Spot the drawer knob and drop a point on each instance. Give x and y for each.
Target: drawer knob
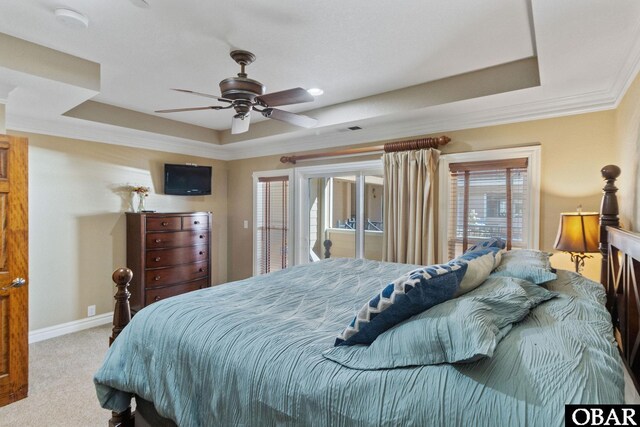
(202, 236)
(156, 278)
(196, 222)
(158, 240)
(165, 223)
(156, 259)
(157, 298)
(200, 270)
(201, 253)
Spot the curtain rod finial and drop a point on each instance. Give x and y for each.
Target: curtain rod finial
(288, 159)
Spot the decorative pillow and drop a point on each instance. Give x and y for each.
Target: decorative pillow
(463, 329)
(409, 294)
(527, 264)
(480, 263)
(493, 242)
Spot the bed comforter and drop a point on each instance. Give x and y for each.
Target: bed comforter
(250, 353)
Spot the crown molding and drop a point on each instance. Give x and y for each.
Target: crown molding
(424, 122)
(421, 122)
(109, 134)
(628, 71)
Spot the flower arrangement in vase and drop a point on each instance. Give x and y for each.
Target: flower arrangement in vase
(142, 193)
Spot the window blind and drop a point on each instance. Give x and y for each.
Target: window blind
(488, 199)
(272, 223)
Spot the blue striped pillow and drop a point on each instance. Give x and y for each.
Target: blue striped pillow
(410, 294)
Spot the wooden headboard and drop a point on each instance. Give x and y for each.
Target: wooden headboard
(620, 273)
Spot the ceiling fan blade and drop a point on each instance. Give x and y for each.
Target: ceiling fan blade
(291, 118)
(286, 97)
(240, 123)
(206, 95)
(177, 110)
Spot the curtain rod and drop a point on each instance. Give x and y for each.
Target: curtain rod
(413, 144)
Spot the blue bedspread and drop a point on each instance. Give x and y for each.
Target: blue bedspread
(250, 353)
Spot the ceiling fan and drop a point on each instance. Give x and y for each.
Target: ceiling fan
(244, 95)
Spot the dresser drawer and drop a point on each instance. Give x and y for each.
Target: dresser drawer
(181, 273)
(196, 222)
(154, 295)
(167, 223)
(179, 238)
(166, 257)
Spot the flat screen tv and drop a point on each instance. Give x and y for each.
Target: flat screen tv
(187, 180)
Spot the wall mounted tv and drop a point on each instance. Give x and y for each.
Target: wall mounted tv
(187, 180)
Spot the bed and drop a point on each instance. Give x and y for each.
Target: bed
(261, 351)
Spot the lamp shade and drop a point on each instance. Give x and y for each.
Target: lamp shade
(578, 232)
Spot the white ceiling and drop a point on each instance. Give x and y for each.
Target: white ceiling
(588, 50)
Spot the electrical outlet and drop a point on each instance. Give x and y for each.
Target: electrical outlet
(91, 310)
(246, 224)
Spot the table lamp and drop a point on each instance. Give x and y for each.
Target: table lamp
(578, 235)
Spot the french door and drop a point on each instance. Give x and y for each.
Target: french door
(338, 211)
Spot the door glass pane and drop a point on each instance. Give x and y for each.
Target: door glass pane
(316, 218)
(373, 215)
(332, 217)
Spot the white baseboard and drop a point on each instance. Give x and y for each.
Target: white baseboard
(67, 328)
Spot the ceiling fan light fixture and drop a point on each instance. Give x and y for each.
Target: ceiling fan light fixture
(315, 91)
(71, 18)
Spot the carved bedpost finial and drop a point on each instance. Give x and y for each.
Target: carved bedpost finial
(608, 218)
(609, 207)
(327, 248)
(610, 172)
(122, 276)
(122, 311)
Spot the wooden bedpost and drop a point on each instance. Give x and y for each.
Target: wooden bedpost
(608, 218)
(121, 318)
(122, 311)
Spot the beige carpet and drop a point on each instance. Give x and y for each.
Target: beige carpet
(61, 391)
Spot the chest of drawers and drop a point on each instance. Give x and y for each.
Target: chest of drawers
(169, 254)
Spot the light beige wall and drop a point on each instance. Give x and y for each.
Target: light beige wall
(628, 136)
(574, 148)
(2, 119)
(240, 207)
(77, 200)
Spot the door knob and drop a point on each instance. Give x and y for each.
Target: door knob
(16, 283)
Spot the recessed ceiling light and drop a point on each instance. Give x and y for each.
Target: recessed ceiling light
(315, 91)
(140, 3)
(71, 18)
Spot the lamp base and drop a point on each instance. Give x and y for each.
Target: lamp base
(578, 259)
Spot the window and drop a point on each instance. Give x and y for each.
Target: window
(486, 194)
(271, 222)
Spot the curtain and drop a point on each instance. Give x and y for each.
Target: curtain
(409, 230)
